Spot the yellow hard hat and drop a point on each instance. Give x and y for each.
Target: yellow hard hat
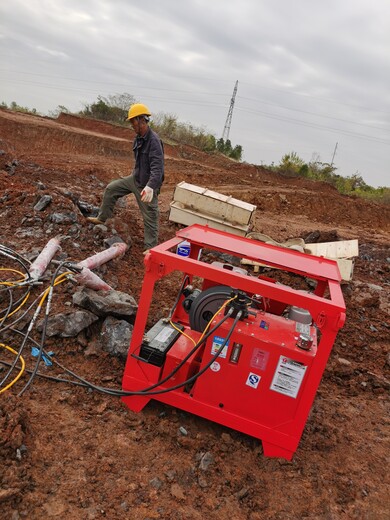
(138, 109)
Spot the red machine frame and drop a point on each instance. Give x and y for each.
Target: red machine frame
(325, 304)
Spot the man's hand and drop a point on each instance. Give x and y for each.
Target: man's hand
(147, 194)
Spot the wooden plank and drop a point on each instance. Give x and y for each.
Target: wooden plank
(346, 266)
(340, 249)
(187, 217)
(208, 202)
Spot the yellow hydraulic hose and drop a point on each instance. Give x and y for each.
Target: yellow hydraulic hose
(61, 278)
(181, 332)
(14, 283)
(13, 271)
(21, 370)
(218, 311)
(207, 326)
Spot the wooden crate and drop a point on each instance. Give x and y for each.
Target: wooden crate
(220, 211)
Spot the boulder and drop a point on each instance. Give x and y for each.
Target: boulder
(107, 303)
(115, 336)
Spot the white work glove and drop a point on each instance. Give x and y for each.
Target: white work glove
(147, 194)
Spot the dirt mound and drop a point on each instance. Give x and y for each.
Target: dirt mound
(67, 452)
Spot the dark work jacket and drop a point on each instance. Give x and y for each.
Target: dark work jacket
(149, 160)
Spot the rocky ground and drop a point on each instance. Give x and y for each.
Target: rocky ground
(69, 452)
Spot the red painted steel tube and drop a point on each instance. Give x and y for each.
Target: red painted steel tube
(39, 266)
(104, 256)
(91, 280)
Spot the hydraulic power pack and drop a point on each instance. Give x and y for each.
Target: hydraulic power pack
(246, 351)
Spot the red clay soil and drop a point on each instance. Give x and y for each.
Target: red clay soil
(70, 453)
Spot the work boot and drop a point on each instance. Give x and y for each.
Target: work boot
(95, 220)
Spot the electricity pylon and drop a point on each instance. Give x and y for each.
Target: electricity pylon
(226, 130)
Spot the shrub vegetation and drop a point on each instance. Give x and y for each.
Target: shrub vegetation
(292, 165)
(114, 109)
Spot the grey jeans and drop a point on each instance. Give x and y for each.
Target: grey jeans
(150, 211)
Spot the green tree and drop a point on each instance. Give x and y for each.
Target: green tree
(221, 145)
(318, 171)
(228, 147)
(122, 101)
(18, 108)
(57, 111)
(168, 127)
(165, 124)
(291, 163)
(113, 109)
(236, 153)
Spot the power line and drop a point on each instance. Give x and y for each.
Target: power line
(315, 125)
(213, 104)
(301, 94)
(143, 87)
(313, 113)
(116, 85)
(201, 78)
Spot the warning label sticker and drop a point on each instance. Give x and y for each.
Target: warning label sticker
(215, 367)
(217, 344)
(288, 377)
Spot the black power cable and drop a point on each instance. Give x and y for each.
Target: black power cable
(8, 310)
(50, 378)
(16, 257)
(144, 391)
(43, 336)
(80, 380)
(198, 374)
(147, 391)
(186, 277)
(13, 255)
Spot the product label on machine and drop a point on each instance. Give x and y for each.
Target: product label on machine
(253, 380)
(217, 344)
(288, 377)
(164, 335)
(259, 359)
(303, 328)
(215, 366)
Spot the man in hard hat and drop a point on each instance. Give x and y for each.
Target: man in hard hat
(145, 181)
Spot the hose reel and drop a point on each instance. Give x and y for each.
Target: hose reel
(205, 304)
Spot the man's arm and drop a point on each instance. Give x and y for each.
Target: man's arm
(156, 161)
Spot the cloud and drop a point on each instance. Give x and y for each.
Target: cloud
(310, 73)
(51, 52)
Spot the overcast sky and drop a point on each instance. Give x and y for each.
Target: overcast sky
(312, 74)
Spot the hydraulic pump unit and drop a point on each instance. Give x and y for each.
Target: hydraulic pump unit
(246, 351)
